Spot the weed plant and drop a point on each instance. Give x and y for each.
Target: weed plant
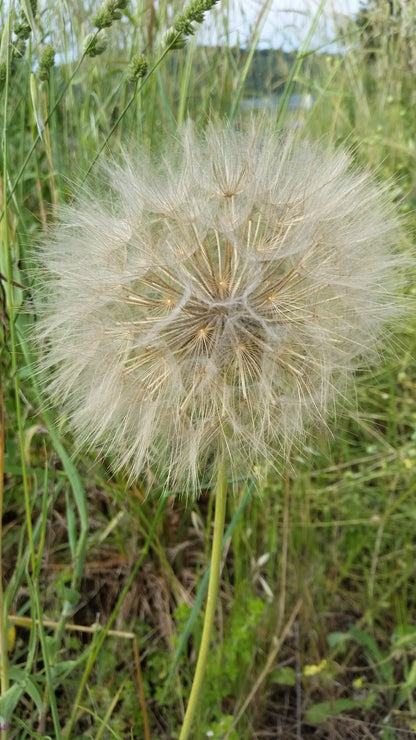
(102, 586)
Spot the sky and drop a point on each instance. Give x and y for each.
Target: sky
(285, 23)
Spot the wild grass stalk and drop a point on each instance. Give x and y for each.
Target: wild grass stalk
(4, 624)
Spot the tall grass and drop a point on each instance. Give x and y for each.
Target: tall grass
(102, 587)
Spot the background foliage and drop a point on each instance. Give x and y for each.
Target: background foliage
(102, 587)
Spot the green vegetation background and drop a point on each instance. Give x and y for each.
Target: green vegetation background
(316, 627)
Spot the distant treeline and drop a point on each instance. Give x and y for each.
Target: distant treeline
(269, 68)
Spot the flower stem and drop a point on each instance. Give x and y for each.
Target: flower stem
(220, 507)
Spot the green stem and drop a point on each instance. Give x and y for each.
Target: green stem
(136, 90)
(4, 660)
(220, 507)
(4, 665)
(10, 192)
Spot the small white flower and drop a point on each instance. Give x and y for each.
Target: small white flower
(218, 302)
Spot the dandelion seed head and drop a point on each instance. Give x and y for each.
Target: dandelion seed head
(218, 302)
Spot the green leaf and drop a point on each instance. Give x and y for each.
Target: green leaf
(9, 701)
(285, 676)
(335, 639)
(410, 683)
(383, 667)
(72, 525)
(27, 9)
(367, 641)
(403, 635)
(64, 668)
(31, 688)
(318, 713)
(224, 725)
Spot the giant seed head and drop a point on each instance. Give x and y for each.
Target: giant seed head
(218, 303)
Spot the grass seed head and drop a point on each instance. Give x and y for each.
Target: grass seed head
(218, 303)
